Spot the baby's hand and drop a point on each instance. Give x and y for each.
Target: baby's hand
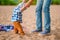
(26, 5)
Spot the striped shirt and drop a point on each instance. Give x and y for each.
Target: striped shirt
(17, 15)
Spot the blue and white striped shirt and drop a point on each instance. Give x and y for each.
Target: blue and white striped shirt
(17, 15)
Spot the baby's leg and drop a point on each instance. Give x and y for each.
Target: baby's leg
(15, 29)
(18, 26)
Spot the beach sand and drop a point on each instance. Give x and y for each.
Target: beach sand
(29, 24)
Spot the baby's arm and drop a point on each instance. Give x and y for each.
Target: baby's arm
(24, 1)
(26, 5)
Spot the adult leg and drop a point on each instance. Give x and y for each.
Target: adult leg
(39, 16)
(46, 9)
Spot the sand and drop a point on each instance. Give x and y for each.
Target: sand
(29, 24)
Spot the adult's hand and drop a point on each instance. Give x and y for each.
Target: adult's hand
(26, 5)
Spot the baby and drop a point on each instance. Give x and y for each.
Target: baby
(17, 16)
